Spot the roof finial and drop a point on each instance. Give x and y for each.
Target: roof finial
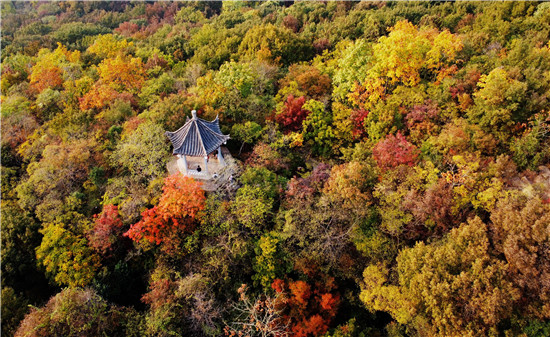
(194, 114)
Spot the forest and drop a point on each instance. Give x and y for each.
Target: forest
(394, 169)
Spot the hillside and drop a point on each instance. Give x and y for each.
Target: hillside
(394, 169)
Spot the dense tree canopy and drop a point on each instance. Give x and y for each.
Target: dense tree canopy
(393, 169)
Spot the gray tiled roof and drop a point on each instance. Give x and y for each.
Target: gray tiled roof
(197, 137)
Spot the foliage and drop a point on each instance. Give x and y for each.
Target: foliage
(61, 169)
(498, 102)
(179, 206)
(252, 206)
(143, 152)
(65, 253)
(269, 261)
(260, 317)
(119, 77)
(454, 288)
(395, 151)
(19, 234)
(247, 132)
(48, 71)
(171, 296)
(305, 80)
(80, 312)
(317, 129)
(309, 309)
(292, 115)
(521, 226)
(108, 46)
(274, 44)
(13, 311)
(349, 185)
(108, 226)
(427, 51)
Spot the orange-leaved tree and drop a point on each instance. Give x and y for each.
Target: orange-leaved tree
(119, 78)
(309, 309)
(179, 206)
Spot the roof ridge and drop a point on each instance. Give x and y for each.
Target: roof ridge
(200, 137)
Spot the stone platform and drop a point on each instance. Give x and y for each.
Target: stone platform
(218, 177)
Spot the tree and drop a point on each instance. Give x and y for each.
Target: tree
(20, 237)
(178, 209)
(273, 44)
(48, 77)
(521, 227)
(452, 288)
(420, 121)
(64, 250)
(14, 309)
(292, 115)
(66, 256)
(498, 104)
(460, 137)
(317, 128)
(106, 229)
(359, 128)
(252, 206)
(15, 69)
(122, 73)
(304, 188)
(349, 186)
(529, 150)
(180, 304)
(156, 88)
(51, 66)
(394, 151)
(304, 80)
(80, 312)
(119, 77)
(73, 34)
(169, 111)
(309, 308)
(240, 76)
(269, 262)
(143, 152)
(320, 230)
(108, 46)
(352, 68)
(18, 123)
(247, 132)
(269, 182)
(429, 53)
(60, 172)
(260, 317)
(414, 203)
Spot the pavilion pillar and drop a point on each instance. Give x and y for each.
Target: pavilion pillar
(182, 164)
(220, 157)
(185, 164)
(206, 165)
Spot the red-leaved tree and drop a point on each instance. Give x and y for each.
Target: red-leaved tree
(293, 115)
(181, 202)
(358, 118)
(393, 151)
(108, 225)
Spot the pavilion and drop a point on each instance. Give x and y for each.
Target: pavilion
(195, 139)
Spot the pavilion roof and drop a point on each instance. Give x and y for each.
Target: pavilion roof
(197, 137)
